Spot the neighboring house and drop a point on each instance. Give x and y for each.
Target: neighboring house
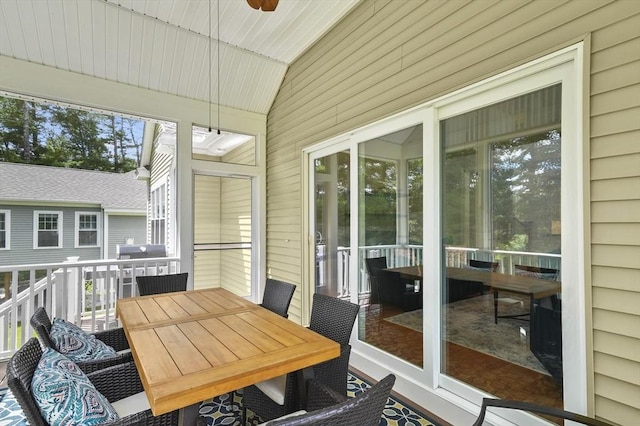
(158, 169)
(50, 213)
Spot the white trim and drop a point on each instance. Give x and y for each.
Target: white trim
(7, 229)
(36, 220)
(76, 229)
(564, 66)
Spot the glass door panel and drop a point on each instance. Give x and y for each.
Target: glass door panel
(390, 179)
(222, 233)
(331, 224)
(501, 297)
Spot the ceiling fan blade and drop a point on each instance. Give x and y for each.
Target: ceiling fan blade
(265, 5)
(269, 5)
(255, 3)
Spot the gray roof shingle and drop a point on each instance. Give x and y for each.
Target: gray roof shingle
(27, 182)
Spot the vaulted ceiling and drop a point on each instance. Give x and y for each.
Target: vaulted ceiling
(171, 46)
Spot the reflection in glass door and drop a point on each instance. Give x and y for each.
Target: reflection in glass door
(390, 232)
(222, 233)
(331, 224)
(501, 304)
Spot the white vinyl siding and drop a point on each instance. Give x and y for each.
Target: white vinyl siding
(388, 56)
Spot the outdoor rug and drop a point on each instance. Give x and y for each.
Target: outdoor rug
(219, 412)
(470, 323)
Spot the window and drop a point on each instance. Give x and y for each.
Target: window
(47, 229)
(159, 214)
(5, 229)
(87, 229)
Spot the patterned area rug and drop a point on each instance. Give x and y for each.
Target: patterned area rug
(219, 412)
(470, 323)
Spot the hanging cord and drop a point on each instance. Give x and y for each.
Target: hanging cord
(218, 59)
(209, 66)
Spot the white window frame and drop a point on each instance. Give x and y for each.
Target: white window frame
(7, 230)
(77, 229)
(36, 220)
(155, 187)
(564, 66)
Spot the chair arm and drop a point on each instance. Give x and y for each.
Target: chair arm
(117, 382)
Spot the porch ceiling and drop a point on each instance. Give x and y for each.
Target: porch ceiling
(171, 46)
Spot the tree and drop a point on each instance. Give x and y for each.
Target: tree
(60, 136)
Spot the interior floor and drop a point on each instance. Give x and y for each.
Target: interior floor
(495, 376)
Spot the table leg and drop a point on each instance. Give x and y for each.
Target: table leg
(188, 416)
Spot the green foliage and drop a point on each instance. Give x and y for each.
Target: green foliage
(66, 137)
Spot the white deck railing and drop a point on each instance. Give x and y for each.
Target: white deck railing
(412, 255)
(82, 292)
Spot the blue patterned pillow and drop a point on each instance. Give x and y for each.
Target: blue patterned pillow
(73, 342)
(65, 395)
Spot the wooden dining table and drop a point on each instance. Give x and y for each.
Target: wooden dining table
(534, 288)
(191, 346)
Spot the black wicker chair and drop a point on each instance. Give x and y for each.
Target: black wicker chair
(326, 407)
(537, 409)
(277, 296)
(332, 318)
(389, 287)
(115, 338)
(115, 383)
(157, 284)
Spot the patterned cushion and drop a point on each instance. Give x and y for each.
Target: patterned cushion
(65, 395)
(73, 342)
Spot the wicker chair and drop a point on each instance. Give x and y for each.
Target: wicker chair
(157, 284)
(115, 383)
(326, 407)
(115, 338)
(390, 287)
(538, 409)
(332, 318)
(277, 296)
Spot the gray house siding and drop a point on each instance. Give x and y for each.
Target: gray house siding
(22, 223)
(124, 228)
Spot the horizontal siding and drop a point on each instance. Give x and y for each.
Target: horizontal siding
(609, 343)
(22, 251)
(615, 177)
(123, 228)
(387, 56)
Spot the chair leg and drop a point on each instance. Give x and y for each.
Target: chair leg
(495, 306)
(244, 415)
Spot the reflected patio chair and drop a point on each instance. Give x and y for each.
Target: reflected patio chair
(330, 317)
(373, 265)
(379, 295)
(41, 322)
(536, 409)
(393, 289)
(277, 296)
(328, 408)
(158, 284)
(119, 384)
(484, 265)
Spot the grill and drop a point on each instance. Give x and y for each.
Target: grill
(140, 251)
